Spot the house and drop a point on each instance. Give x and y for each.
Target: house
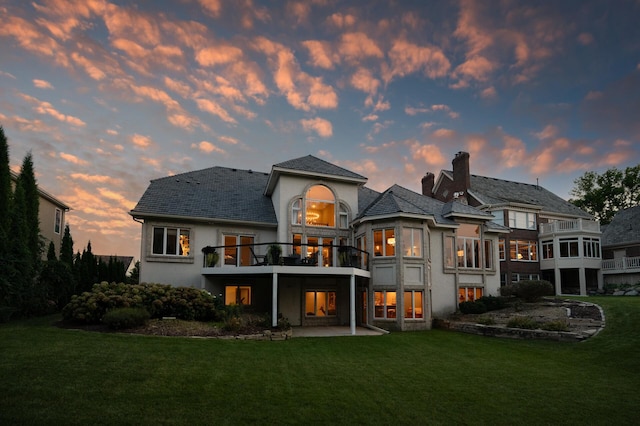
(550, 238)
(621, 248)
(51, 213)
(311, 242)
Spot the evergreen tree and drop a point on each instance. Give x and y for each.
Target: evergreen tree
(134, 275)
(6, 268)
(66, 248)
(27, 181)
(51, 253)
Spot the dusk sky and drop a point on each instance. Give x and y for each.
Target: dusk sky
(109, 95)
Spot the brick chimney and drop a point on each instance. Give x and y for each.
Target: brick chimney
(461, 174)
(427, 184)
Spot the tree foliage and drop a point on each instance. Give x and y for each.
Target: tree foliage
(603, 195)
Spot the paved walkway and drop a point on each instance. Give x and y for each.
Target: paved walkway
(330, 331)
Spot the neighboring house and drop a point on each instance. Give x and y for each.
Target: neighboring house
(349, 255)
(51, 212)
(621, 248)
(550, 238)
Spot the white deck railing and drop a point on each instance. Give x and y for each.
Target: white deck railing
(569, 226)
(628, 264)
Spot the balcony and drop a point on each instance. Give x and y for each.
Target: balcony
(273, 254)
(569, 226)
(621, 266)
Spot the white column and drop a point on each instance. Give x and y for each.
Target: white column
(583, 282)
(274, 300)
(558, 276)
(352, 303)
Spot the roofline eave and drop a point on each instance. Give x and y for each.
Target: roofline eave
(210, 220)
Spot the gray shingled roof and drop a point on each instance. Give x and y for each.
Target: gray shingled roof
(366, 196)
(497, 191)
(623, 229)
(313, 164)
(214, 193)
(397, 199)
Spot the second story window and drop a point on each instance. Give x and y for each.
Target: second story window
(384, 242)
(412, 242)
(170, 241)
(320, 206)
(522, 220)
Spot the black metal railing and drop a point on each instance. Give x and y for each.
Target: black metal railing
(287, 254)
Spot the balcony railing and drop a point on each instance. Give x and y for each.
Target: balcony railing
(624, 264)
(285, 254)
(561, 226)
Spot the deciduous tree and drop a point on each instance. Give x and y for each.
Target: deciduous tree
(603, 195)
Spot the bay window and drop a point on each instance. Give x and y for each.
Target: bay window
(569, 247)
(385, 304)
(413, 304)
(412, 242)
(591, 247)
(547, 249)
(384, 242)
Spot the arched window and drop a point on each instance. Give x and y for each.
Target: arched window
(320, 206)
(343, 216)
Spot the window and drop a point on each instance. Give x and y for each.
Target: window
(468, 246)
(385, 304)
(515, 277)
(57, 224)
(547, 249)
(413, 305)
(523, 250)
(343, 216)
(449, 252)
(522, 220)
(170, 241)
(488, 254)
(237, 295)
(569, 247)
(501, 250)
(412, 242)
(296, 212)
(238, 250)
(498, 217)
(320, 303)
(591, 247)
(469, 294)
(384, 242)
(319, 206)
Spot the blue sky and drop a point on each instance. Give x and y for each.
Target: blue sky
(109, 95)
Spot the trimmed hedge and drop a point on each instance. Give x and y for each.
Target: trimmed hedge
(529, 291)
(122, 318)
(472, 307)
(158, 299)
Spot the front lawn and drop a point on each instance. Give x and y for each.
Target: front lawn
(57, 376)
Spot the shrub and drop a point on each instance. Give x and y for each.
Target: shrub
(529, 291)
(486, 320)
(523, 322)
(559, 325)
(122, 318)
(493, 303)
(470, 307)
(158, 299)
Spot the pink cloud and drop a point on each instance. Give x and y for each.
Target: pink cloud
(141, 141)
(207, 147)
(319, 125)
(428, 154)
(211, 7)
(550, 131)
(214, 108)
(42, 84)
(444, 133)
(320, 54)
(101, 179)
(364, 80)
(513, 152)
(128, 22)
(408, 58)
(355, 47)
(212, 56)
(73, 159)
(340, 20)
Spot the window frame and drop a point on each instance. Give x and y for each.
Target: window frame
(591, 248)
(57, 221)
(239, 288)
(179, 232)
(516, 218)
(547, 249)
(386, 234)
(329, 295)
(464, 297)
(412, 305)
(409, 237)
(386, 307)
(530, 249)
(568, 244)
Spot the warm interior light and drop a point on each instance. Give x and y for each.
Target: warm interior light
(313, 215)
(460, 253)
(391, 241)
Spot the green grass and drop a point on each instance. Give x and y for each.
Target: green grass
(56, 376)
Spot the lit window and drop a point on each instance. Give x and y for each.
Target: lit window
(501, 250)
(320, 303)
(469, 294)
(238, 250)
(523, 250)
(385, 304)
(170, 241)
(237, 295)
(320, 206)
(384, 242)
(468, 246)
(413, 305)
(412, 242)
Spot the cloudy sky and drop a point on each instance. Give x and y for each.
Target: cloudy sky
(109, 95)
